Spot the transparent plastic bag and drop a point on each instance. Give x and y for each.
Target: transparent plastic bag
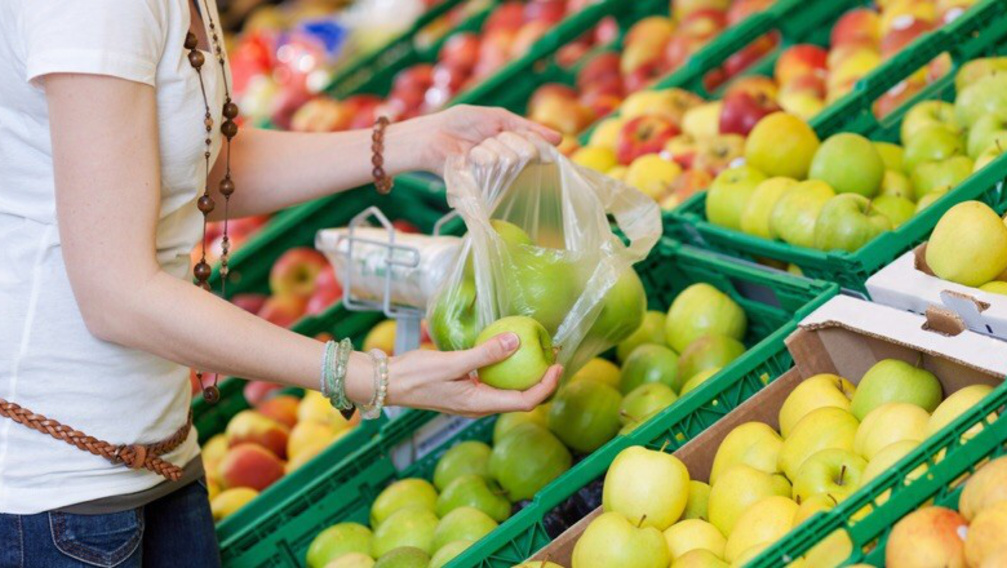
(555, 258)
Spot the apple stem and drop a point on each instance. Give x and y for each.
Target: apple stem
(625, 414)
(664, 446)
(642, 519)
(919, 360)
(834, 500)
(842, 474)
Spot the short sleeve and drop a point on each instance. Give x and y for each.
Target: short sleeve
(121, 38)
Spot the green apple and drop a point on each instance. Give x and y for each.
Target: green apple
(897, 209)
(730, 193)
(989, 130)
(977, 69)
(794, 216)
(537, 564)
(891, 154)
(463, 523)
(352, 560)
(412, 492)
(815, 504)
(988, 155)
(412, 526)
(601, 370)
(463, 459)
(956, 405)
(448, 552)
(849, 163)
(847, 223)
(928, 113)
(612, 540)
(693, 534)
(896, 184)
(509, 420)
(820, 429)
(755, 444)
(818, 391)
(698, 379)
(931, 144)
(736, 489)
(890, 423)
(649, 364)
(995, 287)
(781, 144)
(337, 541)
(645, 401)
(833, 471)
(766, 521)
(511, 233)
(648, 487)
(929, 199)
(986, 96)
(701, 310)
(622, 309)
(886, 458)
(585, 415)
(539, 284)
(527, 459)
(697, 506)
(526, 366)
(795, 270)
(968, 245)
(476, 492)
(454, 318)
(755, 217)
(943, 175)
(708, 352)
(892, 380)
(404, 557)
(651, 331)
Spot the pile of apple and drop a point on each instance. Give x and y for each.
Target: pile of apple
(972, 537)
(835, 438)
(263, 444)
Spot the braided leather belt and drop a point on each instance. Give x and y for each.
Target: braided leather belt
(134, 456)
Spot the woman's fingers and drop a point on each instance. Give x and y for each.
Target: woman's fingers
(488, 400)
(518, 123)
(493, 351)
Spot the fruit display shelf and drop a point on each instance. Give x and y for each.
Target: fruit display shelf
(949, 458)
(346, 490)
(982, 31)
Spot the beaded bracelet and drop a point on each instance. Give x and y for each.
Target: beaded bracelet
(325, 387)
(372, 409)
(341, 367)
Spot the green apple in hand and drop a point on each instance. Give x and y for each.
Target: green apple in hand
(898, 210)
(820, 429)
(943, 175)
(892, 380)
(584, 415)
(990, 130)
(847, 223)
(708, 352)
(730, 193)
(968, 245)
(986, 96)
(404, 557)
(651, 331)
(412, 492)
(336, 541)
(476, 492)
(526, 366)
(700, 310)
(463, 523)
(795, 214)
(611, 540)
(527, 459)
(928, 113)
(931, 144)
(453, 318)
(650, 364)
(622, 309)
(755, 217)
(896, 184)
(833, 471)
(891, 154)
(849, 163)
(508, 421)
(448, 552)
(644, 401)
(649, 487)
(755, 444)
(463, 459)
(412, 526)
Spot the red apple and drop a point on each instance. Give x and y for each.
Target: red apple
(678, 50)
(742, 9)
(257, 391)
(742, 110)
(283, 311)
(460, 51)
(703, 24)
(321, 114)
(251, 303)
(551, 91)
(751, 53)
(646, 134)
(362, 110)
(606, 31)
(653, 30)
(812, 84)
(328, 291)
(527, 36)
(549, 12)
(756, 85)
(494, 52)
(404, 226)
(903, 32)
(507, 16)
(718, 153)
(682, 150)
(246, 225)
(567, 116)
(601, 102)
(571, 53)
(295, 271)
(800, 60)
(897, 96)
(644, 76)
(402, 101)
(600, 67)
(691, 182)
(862, 25)
(419, 76)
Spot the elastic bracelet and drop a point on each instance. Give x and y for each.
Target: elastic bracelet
(372, 409)
(382, 183)
(342, 363)
(324, 384)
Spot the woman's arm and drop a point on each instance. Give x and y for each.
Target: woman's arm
(274, 170)
(105, 156)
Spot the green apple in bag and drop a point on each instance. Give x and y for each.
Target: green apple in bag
(622, 309)
(454, 322)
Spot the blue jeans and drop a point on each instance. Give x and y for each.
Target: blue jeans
(175, 530)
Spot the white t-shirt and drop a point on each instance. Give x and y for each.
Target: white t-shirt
(49, 362)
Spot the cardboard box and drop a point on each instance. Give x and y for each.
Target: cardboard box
(909, 284)
(845, 337)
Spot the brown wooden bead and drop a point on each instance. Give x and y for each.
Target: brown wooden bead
(226, 187)
(201, 271)
(230, 110)
(229, 128)
(190, 41)
(196, 58)
(211, 394)
(205, 204)
(208, 122)
(377, 160)
(378, 173)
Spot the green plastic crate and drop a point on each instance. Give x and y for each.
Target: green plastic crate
(980, 32)
(942, 482)
(345, 492)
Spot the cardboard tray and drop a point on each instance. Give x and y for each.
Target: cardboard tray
(909, 284)
(845, 337)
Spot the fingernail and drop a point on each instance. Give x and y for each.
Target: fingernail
(510, 341)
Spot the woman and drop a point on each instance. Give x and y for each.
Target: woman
(105, 146)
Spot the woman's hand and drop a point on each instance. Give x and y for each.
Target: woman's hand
(446, 382)
(430, 140)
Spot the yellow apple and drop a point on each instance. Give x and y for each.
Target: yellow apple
(606, 134)
(752, 443)
(748, 555)
(597, 158)
(812, 505)
(612, 540)
(956, 405)
(831, 552)
(668, 103)
(699, 499)
(764, 521)
(755, 217)
(618, 172)
(986, 534)
(737, 489)
(653, 175)
(820, 429)
(691, 534)
(888, 457)
(703, 121)
(819, 391)
(601, 370)
(985, 488)
(889, 423)
(648, 487)
(931, 536)
(781, 144)
(699, 558)
(968, 245)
